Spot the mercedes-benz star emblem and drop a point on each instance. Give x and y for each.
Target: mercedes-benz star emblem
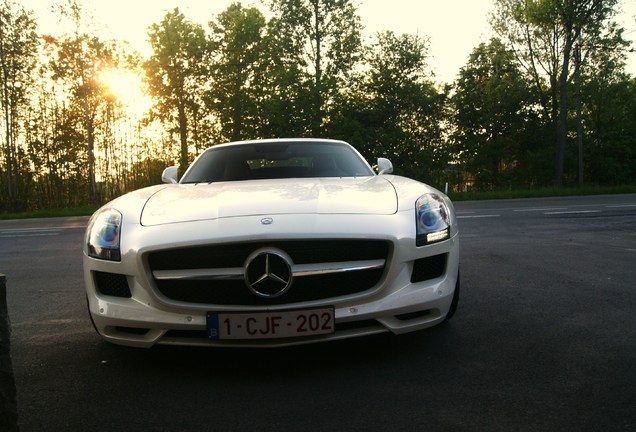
(268, 273)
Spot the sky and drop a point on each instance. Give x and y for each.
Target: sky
(453, 27)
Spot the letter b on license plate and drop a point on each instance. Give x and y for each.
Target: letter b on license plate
(270, 325)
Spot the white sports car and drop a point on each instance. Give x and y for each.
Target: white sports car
(272, 243)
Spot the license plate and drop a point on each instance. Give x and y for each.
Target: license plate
(270, 325)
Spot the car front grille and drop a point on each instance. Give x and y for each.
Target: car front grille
(363, 264)
(112, 284)
(429, 268)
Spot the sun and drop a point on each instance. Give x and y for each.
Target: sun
(127, 87)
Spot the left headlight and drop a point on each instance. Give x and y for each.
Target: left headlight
(432, 219)
(103, 235)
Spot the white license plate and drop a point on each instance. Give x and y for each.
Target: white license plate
(270, 325)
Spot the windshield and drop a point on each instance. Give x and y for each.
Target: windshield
(275, 160)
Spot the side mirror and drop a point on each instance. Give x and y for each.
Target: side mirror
(384, 166)
(169, 175)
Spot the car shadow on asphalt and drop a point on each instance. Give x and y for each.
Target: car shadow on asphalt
(249, 363)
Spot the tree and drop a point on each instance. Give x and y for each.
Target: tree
(322, 37)
(609, 107)
(286, 105)
(607, 98)
(237, 93)
(18, 54)
(394, 110)
(175, 74)
(78, 59)
(542, 34)
(491, 111)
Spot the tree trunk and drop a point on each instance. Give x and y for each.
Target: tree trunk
(579, 121)
(317, 115)
(90, 137)
(563, 110)
(7, 124)
(183, 138)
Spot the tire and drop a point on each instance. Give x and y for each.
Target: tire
(454, 302)
(91, 316)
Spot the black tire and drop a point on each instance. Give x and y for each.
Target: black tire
(91, 316)
(454, 302)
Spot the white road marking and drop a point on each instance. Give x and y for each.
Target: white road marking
(31, 232)
(540, 209)
(572, 212)
(29, 235)
(477, 216)
(57, 228)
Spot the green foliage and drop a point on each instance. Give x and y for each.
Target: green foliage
(238, 73)
(493, 118)
(76, 62)
(18, 51)
(322, 38)
(610, 140)
(394, 110)
(176, 75)
(544, 35)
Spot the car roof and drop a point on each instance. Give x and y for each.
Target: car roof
(280, 140)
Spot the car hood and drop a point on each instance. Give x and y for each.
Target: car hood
(191, 202)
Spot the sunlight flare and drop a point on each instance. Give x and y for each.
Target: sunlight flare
(127, 87)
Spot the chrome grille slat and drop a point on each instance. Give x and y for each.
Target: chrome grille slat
(239, 273)
(201, 274)
(336, 267)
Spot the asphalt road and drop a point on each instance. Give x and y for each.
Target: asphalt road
(544, 340)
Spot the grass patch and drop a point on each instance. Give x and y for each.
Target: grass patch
(542, 192)
(50, 213)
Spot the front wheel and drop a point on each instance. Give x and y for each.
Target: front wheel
(454, 302)
(91, 316)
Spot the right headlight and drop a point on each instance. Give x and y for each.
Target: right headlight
(432, 219)
(103, 235)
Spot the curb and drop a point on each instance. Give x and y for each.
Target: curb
(8, 401)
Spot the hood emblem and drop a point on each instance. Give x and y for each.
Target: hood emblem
(267, 221)
(268, 273)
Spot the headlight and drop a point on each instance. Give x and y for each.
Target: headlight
(103, 235)
(432, 219)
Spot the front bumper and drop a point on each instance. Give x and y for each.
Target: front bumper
(397, 304)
